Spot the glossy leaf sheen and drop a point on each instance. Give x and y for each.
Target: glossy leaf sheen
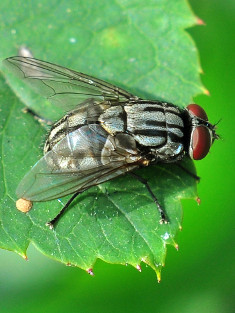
(143, 50)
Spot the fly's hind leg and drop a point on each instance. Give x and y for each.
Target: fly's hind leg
(37, 117)
(164, 219)
(55, 220)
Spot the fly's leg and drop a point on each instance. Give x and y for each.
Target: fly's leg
(40, 119)
(197, 178)
(164, 219)
(55, 220)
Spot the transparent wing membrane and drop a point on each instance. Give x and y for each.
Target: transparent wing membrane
(84, 158)
(78, 155)
(63, 87)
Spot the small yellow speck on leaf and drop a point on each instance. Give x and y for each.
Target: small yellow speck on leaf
(24, 205)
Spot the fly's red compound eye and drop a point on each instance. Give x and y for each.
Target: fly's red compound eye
(200, 143)
(198, 111)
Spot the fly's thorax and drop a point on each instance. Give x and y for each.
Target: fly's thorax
(153, 124)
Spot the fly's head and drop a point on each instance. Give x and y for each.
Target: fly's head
(202, 132)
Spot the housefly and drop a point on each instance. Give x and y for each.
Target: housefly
(105, 132)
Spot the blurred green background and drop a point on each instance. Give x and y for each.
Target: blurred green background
(198, 278)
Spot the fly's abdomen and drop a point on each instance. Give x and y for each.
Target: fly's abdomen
(86, 113)
(113, 120)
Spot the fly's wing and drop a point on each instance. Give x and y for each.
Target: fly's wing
(63, 87)
(84, 158)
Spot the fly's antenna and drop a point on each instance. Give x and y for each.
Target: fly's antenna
(216, 136)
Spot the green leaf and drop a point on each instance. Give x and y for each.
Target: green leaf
(141, 47)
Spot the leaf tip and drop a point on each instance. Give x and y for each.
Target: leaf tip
(200, 21)
(201, 70)
(24, 256)
(206, 92)
(158, 273)
(198, 200)
(90, 272)
(176, 246)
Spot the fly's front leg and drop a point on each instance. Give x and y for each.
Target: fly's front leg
(164, 219)
(197, 178)
(37, 117)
